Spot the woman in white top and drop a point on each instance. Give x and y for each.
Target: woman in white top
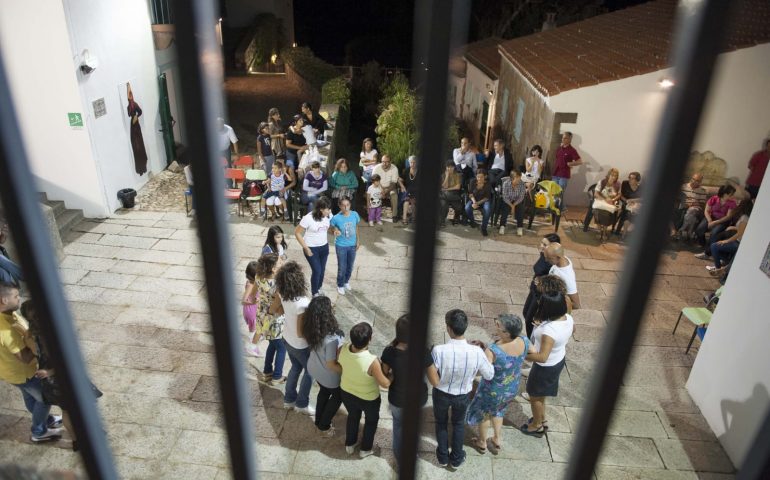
(311, 233)
(369, 159)
(291, 302)
(534, 164)
(553, 329)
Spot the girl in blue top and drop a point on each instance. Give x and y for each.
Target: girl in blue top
(345, 228)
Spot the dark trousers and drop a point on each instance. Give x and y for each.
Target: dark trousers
(451, 199)
(530, 305)
(317, 266)
(355, 407)
(518, 212)
(495, 175)
(442, 403)
(326, 406)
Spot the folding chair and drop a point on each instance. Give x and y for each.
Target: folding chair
(258, 175)
(700, 317)
(244, 161)
(234, 194)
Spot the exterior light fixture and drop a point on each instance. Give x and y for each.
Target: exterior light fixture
(665, 83)
(294, 45)
(273, 58)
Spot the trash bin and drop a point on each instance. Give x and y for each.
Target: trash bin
(126, 197)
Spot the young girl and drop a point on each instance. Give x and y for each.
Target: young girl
(374, 201)
(269, 326)
(277, 186)
(249, 302)
(264, 147)
(275, 242)
(369, 158)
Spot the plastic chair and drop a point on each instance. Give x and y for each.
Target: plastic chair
(605, 221)
(244, 161)
(700, 317)
(258, 175)
(556, 196)
(589, 213)
(234, 194)
(187, 206)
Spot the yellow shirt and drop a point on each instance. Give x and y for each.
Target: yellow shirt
(12, 370)
(355, 377)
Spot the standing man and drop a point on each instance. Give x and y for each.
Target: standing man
(757, 167)
(465, 160)
(562, 268)
(226, 139)
(499, 161)
(389, 183)
(566, 158)
(18, 365)
(455, 364)
(345, 228)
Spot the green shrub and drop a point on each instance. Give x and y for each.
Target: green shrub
(268, 37)
(336, 91)
(308, 66)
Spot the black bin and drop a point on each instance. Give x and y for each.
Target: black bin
(127, 197)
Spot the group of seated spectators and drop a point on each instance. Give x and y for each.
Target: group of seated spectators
(619, 201)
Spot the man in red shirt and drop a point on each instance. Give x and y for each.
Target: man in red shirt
(757, 167)
(566, 158)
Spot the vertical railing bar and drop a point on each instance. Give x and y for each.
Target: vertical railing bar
(200, 64)
(701, 25)
(38, 260)
(437, 21)
(756, 464)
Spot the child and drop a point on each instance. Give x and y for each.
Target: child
(249, 302)
(270, 326)
(374, 201)
(264, 147)
(276, 185)
(275, 243)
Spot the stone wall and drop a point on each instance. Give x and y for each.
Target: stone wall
(312, 94)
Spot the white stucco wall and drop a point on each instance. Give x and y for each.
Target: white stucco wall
(38, 62)
(477, 92)
(118, 33)
(617, 121)
(730, 380)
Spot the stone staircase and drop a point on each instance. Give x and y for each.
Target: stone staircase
(65, 218)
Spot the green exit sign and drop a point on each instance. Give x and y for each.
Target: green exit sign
(75, 119)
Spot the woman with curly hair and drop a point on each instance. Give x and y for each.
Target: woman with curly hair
(324, 338)
(291, 301)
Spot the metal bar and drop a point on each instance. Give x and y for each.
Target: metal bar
(756, 465)
(32, 240)
(431, 45)
(200, 65)
(701, 25)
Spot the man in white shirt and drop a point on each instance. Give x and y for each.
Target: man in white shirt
(499, 162)
(562, 268)
(226, 137)
(465, 160)
(389, 183)
(455, 364)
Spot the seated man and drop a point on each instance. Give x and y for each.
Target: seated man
(465, 160)
(499, 162)
(388, 183)
(451, 183)
(690, 211)
(479, 198)
(514, 192)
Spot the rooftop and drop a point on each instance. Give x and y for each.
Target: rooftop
(484, 55)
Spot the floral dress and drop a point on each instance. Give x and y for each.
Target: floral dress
(493, 396)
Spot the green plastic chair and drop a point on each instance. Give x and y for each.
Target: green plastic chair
(258, 175)
(700, 317)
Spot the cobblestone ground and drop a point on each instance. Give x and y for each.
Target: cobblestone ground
(134, 282)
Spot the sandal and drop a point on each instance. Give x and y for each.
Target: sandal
(496, 447)
(533, 433)
(544, 423)
(477, 447)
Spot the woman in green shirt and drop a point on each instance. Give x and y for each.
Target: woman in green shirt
(344, 184)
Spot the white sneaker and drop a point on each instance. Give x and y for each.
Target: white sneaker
(710, 268)
(348, 287)
(341, 290)
(525, 371)
(309, 410)
(50, 434)
(327, 433)
(379, 222)
(519, 231)
(371, 224)
(501, 231)
(288, 406)
(351, 449)
(321, 293)
(55, 421)
(365, 453)
(701, 256)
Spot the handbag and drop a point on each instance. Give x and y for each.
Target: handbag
(52, 394)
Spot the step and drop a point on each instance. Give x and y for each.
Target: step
(68, 219)
(57, 206)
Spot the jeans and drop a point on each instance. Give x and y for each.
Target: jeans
(701, 233)
(309, 199)
(355, 406)
(32, 391)
(291, 158)
(298, 358)
(561, 181)
(318, 266)
(346, 257)
(268, 166)
(326, 406)
(275, 350)
(723, 253)
(505, 210)
(442, 402)
(486, 210)
(397, 413)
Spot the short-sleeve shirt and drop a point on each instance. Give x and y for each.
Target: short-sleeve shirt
(694, 197)
(757, 165)
(226, 137)
(291, 310)
(375, 196)
(265, 147)
(563, 156)
(409, 182)
(718, 208)
(347, 227)
(398, 361)
(11, 343)
(628, 193)
(560, 331)
(568, 275)
(316, 364)
(315, 230)
(296, 139)
(387, 177)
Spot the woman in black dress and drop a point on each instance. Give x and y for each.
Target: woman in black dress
(541, 267)
(137, 141)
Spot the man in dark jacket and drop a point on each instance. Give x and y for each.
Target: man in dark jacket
(499, 162)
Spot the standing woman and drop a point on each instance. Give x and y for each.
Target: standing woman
(291, 302)
(369, 159)
(541, 267)
(137, 141)
(311, 233)
(324, 337)
(553, 329)
(276, 131)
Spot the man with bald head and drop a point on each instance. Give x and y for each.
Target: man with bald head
(690, 211)
(562, 268)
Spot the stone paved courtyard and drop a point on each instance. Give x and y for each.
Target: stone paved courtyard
(135, 286)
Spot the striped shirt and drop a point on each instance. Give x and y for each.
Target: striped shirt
(513, 193)
(457, 363)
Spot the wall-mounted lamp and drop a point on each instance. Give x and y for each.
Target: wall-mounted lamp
(490, 91)
(89, 63)
(665, 83)
(294, 45)
(273, 58)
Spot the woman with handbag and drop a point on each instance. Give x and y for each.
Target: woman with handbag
(52, 394)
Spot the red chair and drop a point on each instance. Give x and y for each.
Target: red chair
(237, 175)
(244, 161)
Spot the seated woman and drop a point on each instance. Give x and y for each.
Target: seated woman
(314, 184)
(726, 247)
(480, 198)
(343, 184)
(451, 194)
(534, 166)
(630, 199)
(408, 183)
(369, 159)
(718, 214)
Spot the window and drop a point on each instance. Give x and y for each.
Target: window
(504, 110)
(519, 122)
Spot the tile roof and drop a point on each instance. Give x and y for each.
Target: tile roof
(484, 54)
(621, 44)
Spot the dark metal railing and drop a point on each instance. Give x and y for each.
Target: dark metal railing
(161, 12)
